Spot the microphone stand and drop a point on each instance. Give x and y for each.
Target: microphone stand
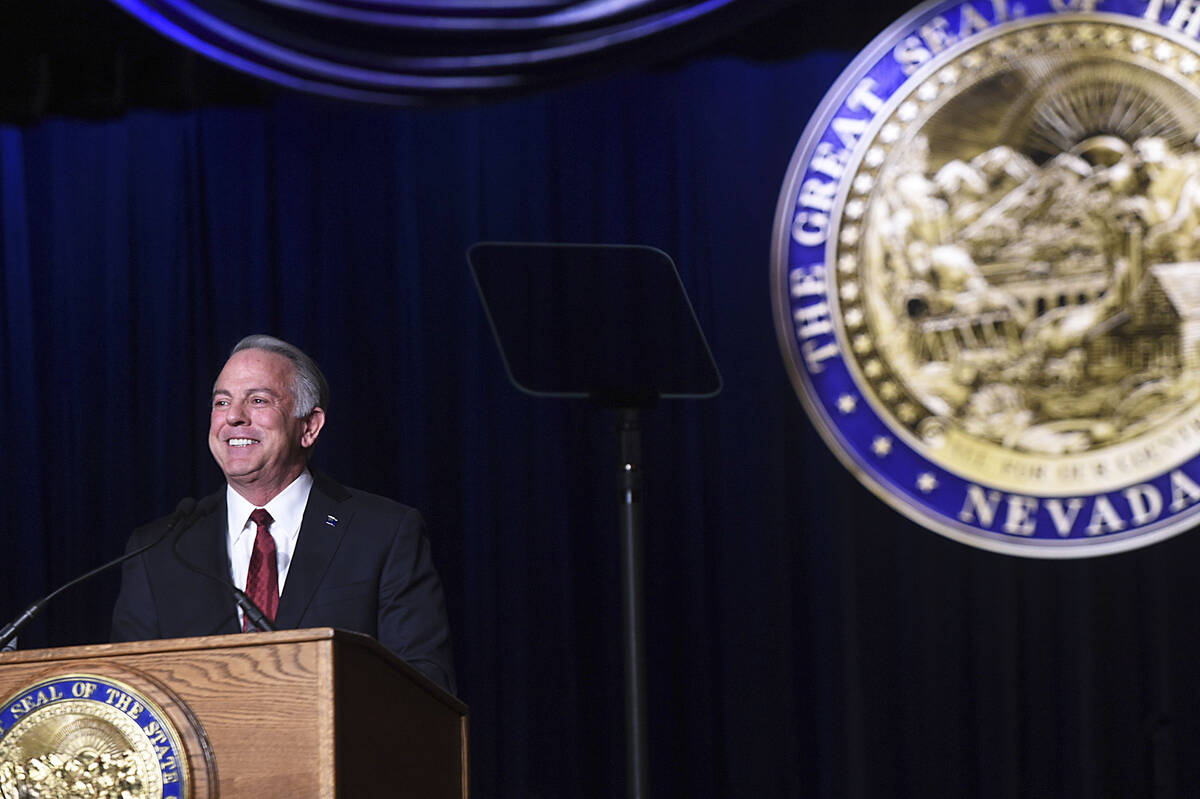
(184, 510)
(252, 612)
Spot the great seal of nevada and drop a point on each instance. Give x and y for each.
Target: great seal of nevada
(986, 271)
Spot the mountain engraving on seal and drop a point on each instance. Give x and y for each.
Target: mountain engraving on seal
(1029, 275)
(1050, 308)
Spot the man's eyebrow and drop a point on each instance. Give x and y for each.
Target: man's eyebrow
(262, 390)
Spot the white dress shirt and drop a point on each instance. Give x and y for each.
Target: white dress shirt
(287, 511)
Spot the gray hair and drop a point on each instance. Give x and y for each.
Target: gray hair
(309, 389)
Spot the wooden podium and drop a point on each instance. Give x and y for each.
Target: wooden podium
(303, 713)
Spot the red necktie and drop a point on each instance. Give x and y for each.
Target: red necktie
(262, 579)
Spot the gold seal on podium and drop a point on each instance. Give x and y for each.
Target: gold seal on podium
(90, 735)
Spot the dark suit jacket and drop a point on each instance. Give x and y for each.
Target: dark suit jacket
(361, 563)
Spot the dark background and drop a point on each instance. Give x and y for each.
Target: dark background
(803, 639)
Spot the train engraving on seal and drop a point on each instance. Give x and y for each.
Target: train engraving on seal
(986, 271)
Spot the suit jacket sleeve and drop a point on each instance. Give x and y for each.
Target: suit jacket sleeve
(134, 615)
(412, 619)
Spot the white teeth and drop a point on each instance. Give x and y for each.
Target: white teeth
(241, 442)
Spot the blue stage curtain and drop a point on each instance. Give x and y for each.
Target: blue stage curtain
(803, 639)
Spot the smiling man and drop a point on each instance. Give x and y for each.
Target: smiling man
(265, 421)
(308, 551)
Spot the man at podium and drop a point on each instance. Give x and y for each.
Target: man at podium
(308, 551)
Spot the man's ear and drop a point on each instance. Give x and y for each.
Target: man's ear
(312, 427)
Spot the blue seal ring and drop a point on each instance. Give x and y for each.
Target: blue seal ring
(1093, 489)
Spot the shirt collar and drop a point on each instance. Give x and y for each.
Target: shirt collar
(286, 508)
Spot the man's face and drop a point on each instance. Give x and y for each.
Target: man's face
(259, 445)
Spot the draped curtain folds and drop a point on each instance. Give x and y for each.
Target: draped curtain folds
(416, 53)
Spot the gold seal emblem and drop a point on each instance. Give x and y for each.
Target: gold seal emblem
(988, 272)
(88, 736)
(1017, 262)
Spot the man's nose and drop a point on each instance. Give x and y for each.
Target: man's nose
(235, 413)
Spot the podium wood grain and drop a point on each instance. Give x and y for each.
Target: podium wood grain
(304, 713)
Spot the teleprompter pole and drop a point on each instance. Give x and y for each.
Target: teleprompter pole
(629, 436)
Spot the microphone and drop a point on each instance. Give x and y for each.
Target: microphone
(251, 611)
(183, 511)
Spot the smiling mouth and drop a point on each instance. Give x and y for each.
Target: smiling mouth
(241, 442)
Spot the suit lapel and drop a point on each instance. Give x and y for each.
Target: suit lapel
(203, 546)
(321, 532)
